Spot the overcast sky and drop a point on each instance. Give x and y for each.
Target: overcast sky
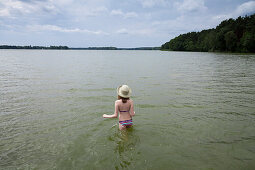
(119, 23)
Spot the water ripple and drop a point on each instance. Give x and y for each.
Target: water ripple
(193, 110)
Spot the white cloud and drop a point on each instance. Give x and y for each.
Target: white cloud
(131, 15)
(221, 17)
(190, 6)
(16, 8)
(37, 8)
(152, 3)
(122, 31)
(91, 12)
(119, 12)
(241, 10)
(135, 31)
(4, 13)
(37, 28)
(183, 24)
(245, 8)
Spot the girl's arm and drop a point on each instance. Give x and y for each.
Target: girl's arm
(115, 112)
(132, 112)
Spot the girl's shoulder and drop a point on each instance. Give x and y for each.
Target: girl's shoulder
(130, 100)
(118, 101)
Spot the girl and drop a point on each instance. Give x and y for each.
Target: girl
(124, 105)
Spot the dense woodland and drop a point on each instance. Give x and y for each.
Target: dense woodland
(232, 35)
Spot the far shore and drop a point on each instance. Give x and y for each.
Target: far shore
(72, 48)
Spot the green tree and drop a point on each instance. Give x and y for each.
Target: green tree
(230, 39)
(248, 42)
(220, 41)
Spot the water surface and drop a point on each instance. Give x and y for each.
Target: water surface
(194, 110)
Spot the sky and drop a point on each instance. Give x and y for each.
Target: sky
(116, 23)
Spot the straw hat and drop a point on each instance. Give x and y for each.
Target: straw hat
(124, 91)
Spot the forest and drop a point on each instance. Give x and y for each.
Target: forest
(34, 47)
(232, 35)
(71, 48)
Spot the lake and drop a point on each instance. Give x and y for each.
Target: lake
(193, 110)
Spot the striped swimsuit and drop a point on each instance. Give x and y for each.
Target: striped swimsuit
(126, 122)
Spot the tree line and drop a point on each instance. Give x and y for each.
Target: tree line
(33, 47)
(232, 35)
(70, 48)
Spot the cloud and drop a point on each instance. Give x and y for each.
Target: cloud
(135, 31)
(241, 10)
(4, 13)
(245, 8)
(37, 28)
(119, 12)
(188, 6)
(122, 31)
(48, 8)
(17, 8)
(175, 25)
(152, 3)
(85, 11)
(221, 17)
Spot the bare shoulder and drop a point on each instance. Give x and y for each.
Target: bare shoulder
(117, 102)
(131, 101)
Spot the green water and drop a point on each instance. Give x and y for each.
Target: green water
(193, 110)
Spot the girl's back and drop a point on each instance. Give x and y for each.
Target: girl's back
(125, 109)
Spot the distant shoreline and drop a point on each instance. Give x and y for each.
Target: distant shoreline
(71, 48)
